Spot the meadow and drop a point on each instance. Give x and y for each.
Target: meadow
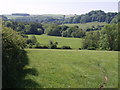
(87, 25)
(74, 43)
(73, 68)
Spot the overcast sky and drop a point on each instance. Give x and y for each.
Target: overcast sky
(57, 6)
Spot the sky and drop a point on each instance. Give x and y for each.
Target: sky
(57, 6)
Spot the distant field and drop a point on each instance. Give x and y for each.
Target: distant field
(86, 25)
(73, 68)
(57, 15)
(74, 43)
(46, 15)
(13, 16)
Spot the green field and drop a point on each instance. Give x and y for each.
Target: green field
(73, 68)
(87, 25)
(13, 16)
(74, 43)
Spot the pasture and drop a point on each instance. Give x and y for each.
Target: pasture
(74, 43)
(73, 68)
(87, 25)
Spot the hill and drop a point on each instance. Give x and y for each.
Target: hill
(92, 16)
(85, 26)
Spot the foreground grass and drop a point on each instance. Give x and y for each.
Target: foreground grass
(74, 43)
(73, 68)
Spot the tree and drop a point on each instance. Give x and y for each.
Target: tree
(91, 40)
(33, 40)
(33, 28)
(53, 30)
(13, 57)
(53, 45)
(8, 23)
(109, 37)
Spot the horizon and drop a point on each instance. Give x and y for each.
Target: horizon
(65, 7)
(56, 14)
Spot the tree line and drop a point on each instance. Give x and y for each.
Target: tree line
(95, 15)
(49, 29)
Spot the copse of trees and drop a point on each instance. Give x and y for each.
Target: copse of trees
(63, 30)
(91, 40)
(106, 39)
(25, 28)
(73, 32)
(52, 29)
(109, 37)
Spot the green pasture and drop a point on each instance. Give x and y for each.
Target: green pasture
(87, 25)
(74, 43)
(72, 68)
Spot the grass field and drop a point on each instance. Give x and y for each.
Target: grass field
(87, 25)
(74, 43)
(73, 68)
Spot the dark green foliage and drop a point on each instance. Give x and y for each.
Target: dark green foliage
(64, 31)
(52, 29)
(53, 45)
(93, 28)
(78, 33)
(65, 47)
(116, 19)
(91, 40)
(13, 57)
(93, 16)
(33, 40)
(109, 37)
(73, 32)
(14, 60)
(34, 28)
(91, 48)
(25, 28)
(8, 23)
(64, 27)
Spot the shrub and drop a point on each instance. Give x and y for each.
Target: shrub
(91, 48)
(53, 45)
(66, 47)
(79, 48)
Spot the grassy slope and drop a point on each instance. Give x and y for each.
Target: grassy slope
(73, 68)
(86, 25)
(74, 43)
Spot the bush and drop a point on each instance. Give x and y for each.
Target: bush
(42, 47)
(14, 57)
(53, 45)
(79, 48)
(91, 48)
(66, 47)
